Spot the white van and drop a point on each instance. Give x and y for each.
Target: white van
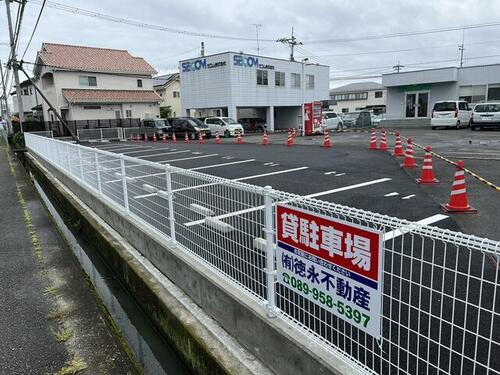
(226, 126)
(332, 121)
(451, 113)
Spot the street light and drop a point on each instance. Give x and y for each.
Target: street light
(303, 62)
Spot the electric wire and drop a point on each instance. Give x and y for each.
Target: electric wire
(34, 29)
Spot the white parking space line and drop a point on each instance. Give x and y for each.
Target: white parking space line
(339, 174)
(144, 149)
(163, 153)
(190, 158)
(243, 178)
(115, 149)
(408, 196)
(314, 195)
(221, 164)
(393, 194)
(328, 173)
(429, 220)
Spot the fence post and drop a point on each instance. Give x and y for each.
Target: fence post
(270, 252)
(67, 158)
(100, 132)
(81, 162)
(98, 171)
(170, 196)
(124, 184)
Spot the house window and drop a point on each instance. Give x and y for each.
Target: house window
(279, 79)
(31, 90)
(494, 92)
(262, 77)
(472, 94)
(379, 94)
(139, 83)
(128, 113)
(24, 92)
(91, 107)
(295, 80)
(88, 81)
(309, 81)
(176, 94)
(345, 110)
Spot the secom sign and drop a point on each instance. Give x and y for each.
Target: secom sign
(249, 62)
(192, 66)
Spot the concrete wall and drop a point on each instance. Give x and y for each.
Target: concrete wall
(273, 341)
(286, 117)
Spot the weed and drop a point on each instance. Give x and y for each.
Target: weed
(64, 335)
(72, 367)
(50, 290)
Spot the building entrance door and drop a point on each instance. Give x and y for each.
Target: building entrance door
(417, 104)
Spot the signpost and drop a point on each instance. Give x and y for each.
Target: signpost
(333, 263)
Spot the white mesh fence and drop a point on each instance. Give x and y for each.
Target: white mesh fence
(440, 310)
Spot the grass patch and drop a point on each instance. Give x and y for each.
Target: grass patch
(56, 314)
(50, 291)
(64, 335)
(72, 367)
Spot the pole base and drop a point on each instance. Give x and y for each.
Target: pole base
(462, 210)
(431, 182)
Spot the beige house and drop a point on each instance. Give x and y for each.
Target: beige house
(88, 83)
(168, 86)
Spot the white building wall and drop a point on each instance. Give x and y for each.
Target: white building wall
(167, 98)
(71, 80)
(108, 111)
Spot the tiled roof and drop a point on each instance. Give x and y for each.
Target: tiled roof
(165, 80)
(357, 87)
(110, 96)
(93, 59)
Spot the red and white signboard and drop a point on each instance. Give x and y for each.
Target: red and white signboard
(333, 263)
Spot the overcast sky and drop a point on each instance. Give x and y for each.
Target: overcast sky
(312, 20)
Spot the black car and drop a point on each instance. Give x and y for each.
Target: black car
(160, 126)
(190, 125)
(253, 124)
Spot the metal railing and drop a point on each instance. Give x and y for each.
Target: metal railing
(100, 135)
(440, 306)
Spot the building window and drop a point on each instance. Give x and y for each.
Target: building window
(345, 110)
(279, 79)
(24, 92)
(128, 113)
(88, 81)
(295, 80)
(379, 94)
(139, 83)
(91, 107)
(31, 90)
(472, 94)
(494, 92)
(176, 94)
(309, 81)
(262, 77)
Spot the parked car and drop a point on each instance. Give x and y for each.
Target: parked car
(450, 113)
(226, 126)
(160, 125)
(253, 124)
(485, 115)
(360, 119)
(190, 125)
(332, 121)
(377, 119)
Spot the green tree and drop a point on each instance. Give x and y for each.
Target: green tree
(165, 111)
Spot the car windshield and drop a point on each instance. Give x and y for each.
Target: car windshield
(487, 108)
(351, 115)
(161, 123)
(229, 121)
(445, 106)
(197, 123)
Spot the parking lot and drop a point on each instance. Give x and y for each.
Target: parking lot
(349, 173)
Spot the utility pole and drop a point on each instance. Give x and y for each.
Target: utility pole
(202, 49)
(292, 42)
(461, 49)
(398, 67)
(5, 96)
(15, 64)
(257, 25)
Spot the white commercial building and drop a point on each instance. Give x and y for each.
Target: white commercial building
(357, 96)
(411, 95)
(32, 102)
(239, 85)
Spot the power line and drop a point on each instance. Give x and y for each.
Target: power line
(110, 18)
(406, 33)
(34, 29)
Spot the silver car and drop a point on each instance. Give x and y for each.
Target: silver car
(485, 115)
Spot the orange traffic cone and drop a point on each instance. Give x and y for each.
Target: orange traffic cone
(427, 175)
(294, 133)
(398, 147)
(265, 140)
(409, 161)
(201, 140)
(131, 137)
(326, 140)
(383, 141)
(239, 139)
(174, 138)
(186, 138)
(145, 137)
(138, 137)
(164, 137)
(458, 197)
(217, 138)
(289, 140)
(154, 137)
(373, 140)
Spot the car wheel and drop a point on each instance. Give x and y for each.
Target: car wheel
(457, 126)
(433, 127)
(227, 134)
